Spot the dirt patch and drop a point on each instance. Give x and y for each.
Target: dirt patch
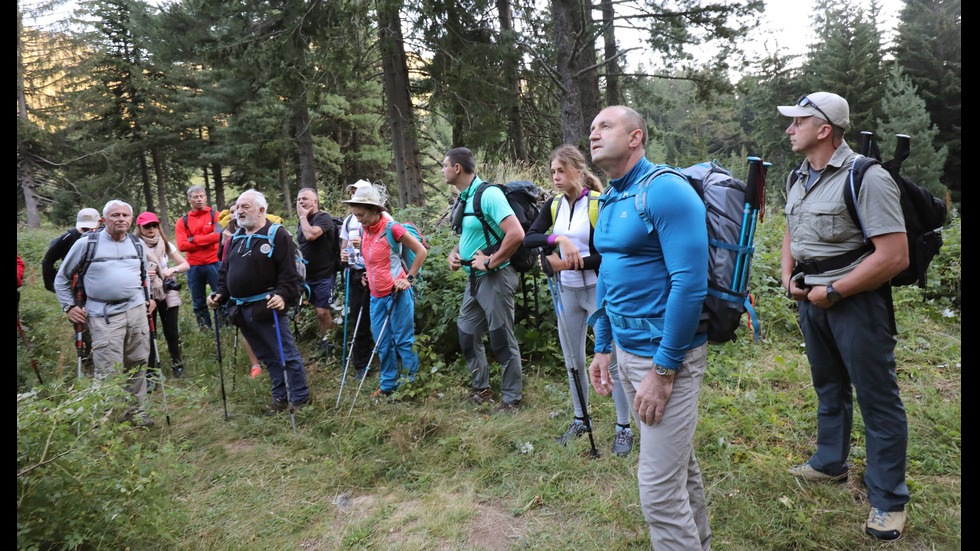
(494, 528)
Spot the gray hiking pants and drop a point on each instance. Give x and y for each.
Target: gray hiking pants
(671, 490)
(488, 303)
(578, 303)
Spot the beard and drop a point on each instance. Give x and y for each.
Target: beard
(250, 222)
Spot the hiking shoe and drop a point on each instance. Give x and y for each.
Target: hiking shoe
(141, 420)
(256, 371)
(480, 396)
(508, 407)
(623, 444)
(178, 371)
(278, 406)
(360, 374)
(378, 394)
(293, 408)
(807, 472)
(884, 525)
(575, 429)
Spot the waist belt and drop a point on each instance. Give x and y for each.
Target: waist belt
(246, 300)
(105, 313)
(833, 263)
(654, 325)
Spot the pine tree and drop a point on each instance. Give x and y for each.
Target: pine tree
(905, 113)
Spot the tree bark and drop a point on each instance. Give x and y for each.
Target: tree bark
(304, 145)
(613, 94)
(162, 213)
(145, 177)
(398, 96)
(515, 122)
(24, 164)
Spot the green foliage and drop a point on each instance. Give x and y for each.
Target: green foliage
(84, 478)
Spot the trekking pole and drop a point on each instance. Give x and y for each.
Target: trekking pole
(28, 349)
(343, 378)
(282, 358)
(343, 351)
(577, 383)
(234, 361)
(221, 369)
(377, 344)
(79, 345)
(156, 351)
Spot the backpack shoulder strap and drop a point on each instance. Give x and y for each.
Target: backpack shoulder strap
(593, 208)
(855, 179)
(641, 192)
(478, 211)
(186, 227)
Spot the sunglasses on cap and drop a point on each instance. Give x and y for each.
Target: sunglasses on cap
(804, 101)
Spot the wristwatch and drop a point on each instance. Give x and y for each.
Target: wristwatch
(661, 370)
(65, 309)
(410, 278)
(832, 295)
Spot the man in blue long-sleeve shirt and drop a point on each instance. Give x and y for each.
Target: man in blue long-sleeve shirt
(652, 282)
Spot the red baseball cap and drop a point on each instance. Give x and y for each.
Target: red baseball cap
(146, 218)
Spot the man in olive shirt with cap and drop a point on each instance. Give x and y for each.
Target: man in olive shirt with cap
(846, 312)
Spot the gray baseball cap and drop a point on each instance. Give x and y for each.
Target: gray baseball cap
(88, 219)
(825, 105)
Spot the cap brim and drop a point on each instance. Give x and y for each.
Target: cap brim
(795, 111)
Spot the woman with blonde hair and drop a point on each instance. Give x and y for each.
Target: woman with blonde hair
(164, 288)
(567, 223)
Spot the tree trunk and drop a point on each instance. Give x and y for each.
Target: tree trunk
(24, 165)
(284, 184)
(304, 145)
(399, 99)
(563, 16)
(147, 185)
(515, 122)
(219, 186)
(613, 94)
(162, 212)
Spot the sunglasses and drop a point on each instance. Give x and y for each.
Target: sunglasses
(804, 101)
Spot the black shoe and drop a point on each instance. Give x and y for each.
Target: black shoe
(480, 396)
(361, 373)
(508, 407)
(278, 406)
(178, 371)
(574, 431)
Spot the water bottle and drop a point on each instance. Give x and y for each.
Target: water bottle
(351, 251)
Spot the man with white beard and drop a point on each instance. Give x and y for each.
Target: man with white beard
(258, 280)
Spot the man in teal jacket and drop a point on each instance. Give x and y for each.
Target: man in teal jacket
(652, 282)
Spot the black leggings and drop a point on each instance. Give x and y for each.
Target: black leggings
(168, 323)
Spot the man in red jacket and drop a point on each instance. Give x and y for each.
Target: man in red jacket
(197, 237)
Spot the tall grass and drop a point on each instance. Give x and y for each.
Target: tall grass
(431, 471)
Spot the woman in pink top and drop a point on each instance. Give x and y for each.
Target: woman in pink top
(390, 283)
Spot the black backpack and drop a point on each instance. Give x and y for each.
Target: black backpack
(924, 213)
(523, 199)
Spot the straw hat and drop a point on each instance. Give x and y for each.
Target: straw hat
(366, 193)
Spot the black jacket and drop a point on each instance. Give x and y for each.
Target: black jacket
(57, 250)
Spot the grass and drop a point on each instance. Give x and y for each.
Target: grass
(434, 472)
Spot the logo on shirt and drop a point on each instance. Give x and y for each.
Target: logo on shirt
(265, 248)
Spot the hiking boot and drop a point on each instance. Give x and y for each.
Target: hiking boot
(325, 349)
(807, 472)
(575, 429)
(178, 371)
(278, 406)
(623, 444)
(378, 394)
(256, 371)
(151, 385)
(508, 407)
(884, 525)
(361, 373)
(480, 396)
(140, 420)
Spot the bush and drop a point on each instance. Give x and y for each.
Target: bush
(86, 479)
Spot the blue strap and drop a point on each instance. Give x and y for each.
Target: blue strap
(253, 298)
(654, 325)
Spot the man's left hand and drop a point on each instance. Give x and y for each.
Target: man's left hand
(150, 307)
(652, 397)
(818, 296)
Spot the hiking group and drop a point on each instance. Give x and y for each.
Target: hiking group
(629, 259)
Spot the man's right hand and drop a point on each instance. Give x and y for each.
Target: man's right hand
(455, 261)
(599, 374)
(213, 299)
(77, 314)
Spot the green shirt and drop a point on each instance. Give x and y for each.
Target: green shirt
(495, 209)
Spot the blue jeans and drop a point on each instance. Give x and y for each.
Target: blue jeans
(197, 278)
(398, 336)
(852, 344)
(261, 336)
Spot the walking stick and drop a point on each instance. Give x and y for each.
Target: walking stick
(343, 351)
(343, 378)
(221, 369)
(31, 356)
(156, 351)
(377, 344)
(560, 314)
(234, 361)
(282, 358)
